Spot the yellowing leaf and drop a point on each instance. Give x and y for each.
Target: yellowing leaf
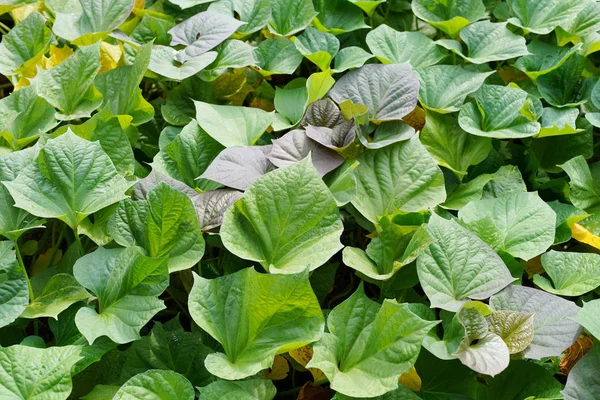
(303, 355)
(43, 261)
(482, 308)
(584, 236)
(110, 55)
(411, 380)
(279, 370)
(57, 56)
(534, 267)
(19, 14)
(416, 119)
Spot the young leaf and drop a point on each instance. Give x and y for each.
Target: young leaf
(319, 47)
(60, 292)
(201, 33)
(521, 224)
(295, 227)
(584, 189)
(231, 125)
(252, 389)
(71, 179)
(452, 147)
(515, 329)
(496, 113)
(156, 385)
(481, 350)
(573, 274)
(14, 295)
(69, 86)
(188, 155)
(254, 317)
(238, 167)
(451, 16)
(127, 285)
(87, 21)
(487, 41)
(290, 16)
(455, 254)
(393, 47)
(171, 350)
(389, 91)
(444, 88)
(385, 186)
(369, 345)
(553, 327)
(163, 225)
(120, 88)
(28, 372)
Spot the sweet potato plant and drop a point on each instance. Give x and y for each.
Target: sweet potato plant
(299, 199)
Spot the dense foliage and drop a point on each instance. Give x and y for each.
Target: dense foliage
(299, 199)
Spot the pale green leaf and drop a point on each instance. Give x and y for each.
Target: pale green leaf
(156, 385)
(162, 62)
(572, 274)
(290, 16)
(584, 189)
(14, 295)
(542, 16)
(449, 16)
(58, 294)
(583, 382)
(338, 16)
(544, 58)
(318, 47)
(515, 329)
(253, 389)
(277, 56)
(350, 58)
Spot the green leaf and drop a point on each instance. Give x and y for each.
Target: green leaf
(277, 56)
(565, 86)
(162, 62)
(457, 253)
(393, 47)
(254, 13)
(156, 385)
(588, 317)
(253, 389)
(183, 4)
(120, 88)
(389, 91)
(188, 155)
(232, 125)
(521, 380)
(559, 121)
(318, 47)
(573, 274)
(553, 327)
(481, 350)
(127, 285)
(14, 294)
(515, 329)
(87, 21)
(394, 247)
(583, 382)
(342, 183)
(71, 179)
(33, 373)
(350, 58)
(449, 16)
(542, 16)
(295, 227)
(166, 349)
(153, 28)
(338, 16)
(452, 147)
(444, 88)
(60, 292)
(24, 45)
(544, 58)
(520, 224)
(163, 225)
(15, 221)
(385, 186)
(254, 317)
(24, 117)
(496, 113)
(290, 16)
(584, 189)
(368, 6)
(69, 86)
(487, 41)
(369, 345)
(201, 33)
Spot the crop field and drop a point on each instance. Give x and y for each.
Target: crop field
(299, 199)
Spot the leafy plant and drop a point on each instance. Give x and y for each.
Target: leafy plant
(299, 199)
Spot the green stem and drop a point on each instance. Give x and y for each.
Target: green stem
(3, 26)
(29, 287)
(78, 240)
(179, 304)
(55, 248)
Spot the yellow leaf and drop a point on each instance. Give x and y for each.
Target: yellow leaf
(110, 54)
(57, 56)
(279, 370)
(350, 110)
(411, 380)
(482, 308)
(303, 356)
(416, 119)
(582, 235)
(20, 13)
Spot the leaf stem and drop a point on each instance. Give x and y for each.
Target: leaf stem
(24, 271)
(78, 240)
(4, 27)
(55, 248)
